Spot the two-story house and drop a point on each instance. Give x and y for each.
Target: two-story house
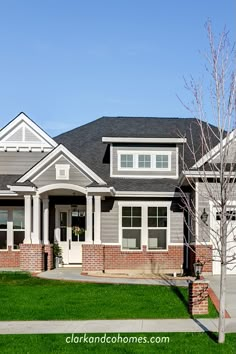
(106, 192)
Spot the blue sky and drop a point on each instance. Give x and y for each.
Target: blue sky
(68, 62)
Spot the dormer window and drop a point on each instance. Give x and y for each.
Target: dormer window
(143, 161)
(162, 161)
(126, 161)
(62, 171)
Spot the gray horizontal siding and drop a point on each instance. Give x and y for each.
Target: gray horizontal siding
(30, 136)
(147, 149)
(18, 162)
(231, 158)
(49, 176)
(203, 202)
(110, 221)
(17, 136)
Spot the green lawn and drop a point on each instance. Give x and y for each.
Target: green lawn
(29, 298)
(194, 343)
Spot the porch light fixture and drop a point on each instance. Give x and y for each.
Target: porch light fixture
(204, 216)
(74, 210)
(197, 269)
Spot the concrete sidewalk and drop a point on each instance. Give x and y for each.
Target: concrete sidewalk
(230, 291)
(115, 326)
(74, 274)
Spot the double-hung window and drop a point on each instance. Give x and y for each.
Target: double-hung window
(145, 224)
(12, 227)
(131, 227)
(157, 228)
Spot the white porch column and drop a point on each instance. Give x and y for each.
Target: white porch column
(89, 219)
(36, 219)
(45, 221)
(28, 218)
(97, 219)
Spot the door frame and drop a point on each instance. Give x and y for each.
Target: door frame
(65, 245)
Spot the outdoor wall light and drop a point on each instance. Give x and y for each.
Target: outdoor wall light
(204, 216)
(198, 269)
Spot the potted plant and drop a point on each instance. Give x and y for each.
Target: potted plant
(57, 253)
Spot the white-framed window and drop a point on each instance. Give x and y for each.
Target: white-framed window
(12, 227)
(126, 161)
(18, 221)
(157, 228)
(144, 224)
(3, 228)
(131, 227)
(143, 160)
(162, 161)
(62, 171)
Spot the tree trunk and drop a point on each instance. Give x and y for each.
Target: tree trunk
(221, 337)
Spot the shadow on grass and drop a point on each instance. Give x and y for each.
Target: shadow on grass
(176, 290)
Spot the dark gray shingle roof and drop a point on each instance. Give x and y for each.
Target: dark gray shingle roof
(85, 142)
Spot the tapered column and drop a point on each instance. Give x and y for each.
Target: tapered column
(28, 218)
(45, 221)
(36, 220)
(97, 219)
(89, 219)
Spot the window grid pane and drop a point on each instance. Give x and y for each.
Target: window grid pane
(162, 161)
(131, 217)
(126, 161)
(144, 161)
(157, 228)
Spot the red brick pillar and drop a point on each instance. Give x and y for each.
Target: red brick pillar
(198, 297)
(48, 249)
(93, 257)
(32, 257)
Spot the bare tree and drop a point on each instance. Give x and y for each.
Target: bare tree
(212, 177)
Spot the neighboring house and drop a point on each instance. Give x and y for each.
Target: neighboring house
(107, 192)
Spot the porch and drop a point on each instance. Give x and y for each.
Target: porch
(32, 223)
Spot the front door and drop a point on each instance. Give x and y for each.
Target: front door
(69, 233)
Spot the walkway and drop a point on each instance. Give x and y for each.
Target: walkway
(230, 291)
(74, 274)
(115, 326)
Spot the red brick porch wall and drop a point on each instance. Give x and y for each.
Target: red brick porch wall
(204, 254)
(32, 257)
(10, 258)
(48, 249)
(105, 257)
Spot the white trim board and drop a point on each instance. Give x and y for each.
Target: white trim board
(147, 194)
(70, 156)
(143, 140)
(213, 152)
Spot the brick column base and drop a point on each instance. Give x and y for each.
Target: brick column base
(203, 254)
(198, 297)
(48, 249)
(32, 257)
